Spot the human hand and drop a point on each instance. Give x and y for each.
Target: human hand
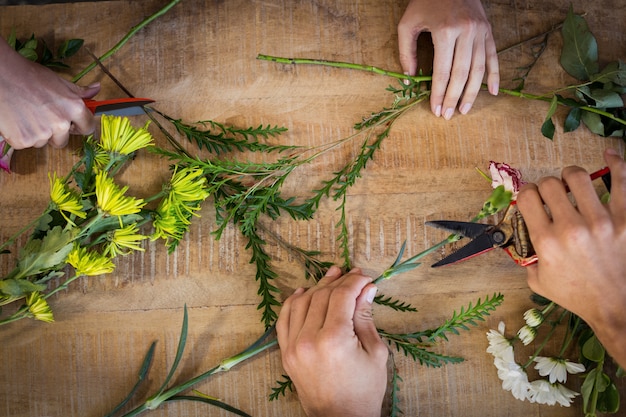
(464, 48)
(580, 249)
(331, 349)
(37, 106)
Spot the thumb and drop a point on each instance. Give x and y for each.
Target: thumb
(364, 326)
(533, 277)
(89, 91)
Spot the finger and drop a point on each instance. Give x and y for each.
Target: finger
(443, 43)
(83, 124)
(475, 80)
(364, 326)
(282, 324)
(407, 46)
(531, 207)
(458, 76)
(584, 193)
(90, 91)
(342, 302)
(532, 278)
(333, 273)
(618, 180)
(554, 195)
(493, 67)
(60, 138)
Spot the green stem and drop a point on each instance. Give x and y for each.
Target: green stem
(570, 336)
(546, 339)
(347, 65)
(125, 39)
(224, 366)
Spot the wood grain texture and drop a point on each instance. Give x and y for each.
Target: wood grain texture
(198, 62)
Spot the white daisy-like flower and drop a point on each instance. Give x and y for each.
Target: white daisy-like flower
(514, 379)
(543, 392)
(497, 341)
(513, 376)
(533, 317)
(527, 334)
(556, 368)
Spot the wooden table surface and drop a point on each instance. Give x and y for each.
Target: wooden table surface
(198, 62)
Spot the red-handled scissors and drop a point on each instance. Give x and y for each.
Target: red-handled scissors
(118, 106)
(510, 234)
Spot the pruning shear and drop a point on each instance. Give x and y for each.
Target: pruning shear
(510, 234)
(118, 106)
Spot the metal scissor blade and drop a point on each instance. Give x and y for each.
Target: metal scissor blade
(465, 229)
(481, 244)
(118, 107)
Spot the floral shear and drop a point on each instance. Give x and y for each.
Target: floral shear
(510, 234)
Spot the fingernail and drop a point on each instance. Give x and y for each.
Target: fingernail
(438, 111)
(448, 114)
(298, 291)
(611, 151)
(465, 108)
(371, 293)
(94, 85)
(494, 88)
(406, 82)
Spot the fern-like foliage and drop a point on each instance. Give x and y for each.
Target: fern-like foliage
(419, 352)
(281, 390)
(218, 138)
(394, 304)
(467, 316)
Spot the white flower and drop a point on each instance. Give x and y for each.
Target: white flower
(557, 368)
(533, 317)
(497, 341)
(503, 174)
(527, 334)
(514, 378)
(543, 392)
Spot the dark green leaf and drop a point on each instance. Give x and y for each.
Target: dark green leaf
(579, 56)
(614, 72)
(608, 401)
(572, 121)
(593, 122)
(606, 98)
(593, 349)
(179, 353)
(208, 400)
(547, 129)
(69, 48)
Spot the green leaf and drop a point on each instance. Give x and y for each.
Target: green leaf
(69, 48)
(547, 129)
(12, 39)
(572, 121)
(614, 72)
(608, 401)
(587, 388)
(593, 122)
(593, 349)
(29, 54)
(606, 98)
(19, 287)
(49, 252)
(579, 56)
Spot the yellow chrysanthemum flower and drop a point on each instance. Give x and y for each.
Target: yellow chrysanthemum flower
(64, 199)
(111, 198)
(89, 263)
(123, 241)
(118, 136)
(188, 185)
(39, 308)
(186, 192)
